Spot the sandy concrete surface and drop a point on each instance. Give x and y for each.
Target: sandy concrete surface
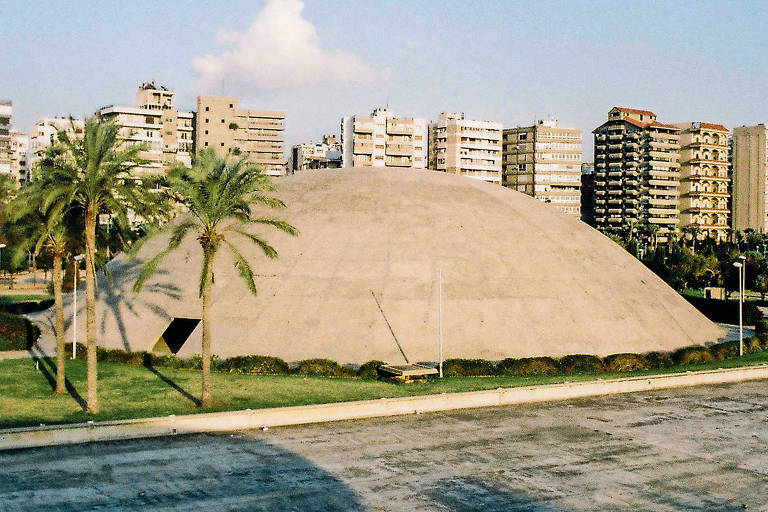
(361, 281)
(688, 449)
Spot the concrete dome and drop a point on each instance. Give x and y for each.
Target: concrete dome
(519, 279)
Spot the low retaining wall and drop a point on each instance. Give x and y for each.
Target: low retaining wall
(238, 420)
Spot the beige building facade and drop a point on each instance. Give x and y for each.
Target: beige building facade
(704, 181)
(750, 156)
(45, 133)
(544, 161)
(226, 128)
(637, 164)
(468, 147)
(383, 140)
(19, 162)
(155, 123)
(6, 111)
(325, 154)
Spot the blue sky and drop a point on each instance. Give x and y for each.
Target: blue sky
(500, 60)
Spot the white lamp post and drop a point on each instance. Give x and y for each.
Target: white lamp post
(440, 322)
(739, 266)
(74, 307)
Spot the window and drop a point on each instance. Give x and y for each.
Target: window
(222, 120)
(207, 109)
(222, 144)
(206, 143)
(522, 136)
(230, 106)
(206, 120)
(206, 132)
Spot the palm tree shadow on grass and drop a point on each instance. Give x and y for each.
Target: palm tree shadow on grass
(48, 369)
(186, 394)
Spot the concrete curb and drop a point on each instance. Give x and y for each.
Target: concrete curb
(30, 437)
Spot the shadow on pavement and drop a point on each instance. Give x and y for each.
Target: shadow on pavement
(462, 494)
(199, 472)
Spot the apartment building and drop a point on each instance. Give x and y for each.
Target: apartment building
(468, 147)
(19, 149)
(382, 139)
(637, 171)
(325, 154)
(750, 157)
(258, 134)
(45, 133)
(6, 111)
(588, 192)
(544, 161)
(704, 181)
(154, 122)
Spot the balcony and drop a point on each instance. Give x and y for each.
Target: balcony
(399, 128)
(364, 148)
(363, 127)
(399, 149)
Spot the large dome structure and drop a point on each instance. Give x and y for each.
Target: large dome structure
(361, 281)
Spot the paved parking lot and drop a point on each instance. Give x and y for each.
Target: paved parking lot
(689, 449)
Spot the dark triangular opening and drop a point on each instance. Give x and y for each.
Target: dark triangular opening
(175, 335)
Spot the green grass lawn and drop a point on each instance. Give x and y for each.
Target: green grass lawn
(126, 392)
(7, 300)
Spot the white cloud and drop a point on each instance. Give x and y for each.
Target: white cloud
(280, 49)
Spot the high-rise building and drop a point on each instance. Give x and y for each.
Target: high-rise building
(154, 122)
(316, 155)
(588, 192)
(468, 147)
(544, 161)
(636, 171)
(704, 181)
(382, 139)
(6, 110)
(45, 132)
(258, 134)
(19, 156)
(750, 156)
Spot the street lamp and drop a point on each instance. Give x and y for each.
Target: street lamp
(740, 267)
(74, 306)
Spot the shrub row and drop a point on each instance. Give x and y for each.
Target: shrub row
(616, 363)
(244, 365)
(16, 332)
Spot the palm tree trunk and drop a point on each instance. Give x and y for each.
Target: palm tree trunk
(206, 345)
(90, 302)
(59, 307)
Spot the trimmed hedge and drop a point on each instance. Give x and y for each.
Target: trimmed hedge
(725, 350)
(370, 370)
(468, 368)
(254, 365)
(625, 363)
(658, 360)
(581, 363)
(529, 366)
(692, 355)
(16, 332)
(319, 368)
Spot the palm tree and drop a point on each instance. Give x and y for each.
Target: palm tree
(93, 173)
(57, 235)
(218, 193)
